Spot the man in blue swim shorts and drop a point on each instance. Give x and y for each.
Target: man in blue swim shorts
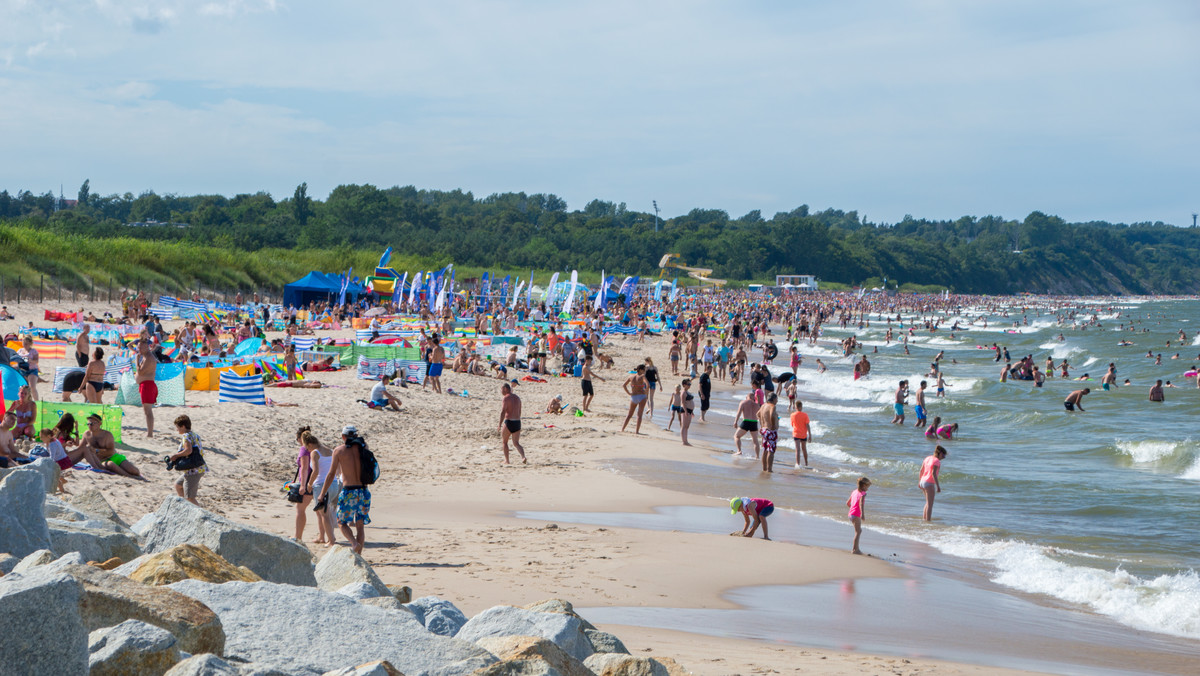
(898, 405)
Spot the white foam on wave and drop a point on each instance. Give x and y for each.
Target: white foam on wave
(1061, 350)
(1196, 339)
(1168, 603)
(1150, 452)
(836, 408)
(1090, 361)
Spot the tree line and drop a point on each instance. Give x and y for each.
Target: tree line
(991, 254)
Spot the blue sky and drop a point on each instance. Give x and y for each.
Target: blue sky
(1085, 109)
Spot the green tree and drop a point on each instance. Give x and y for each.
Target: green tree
(301, 204)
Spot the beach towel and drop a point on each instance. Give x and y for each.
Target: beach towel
(241, 389)
(52, 316)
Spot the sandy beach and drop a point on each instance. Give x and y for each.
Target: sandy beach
(444, 513)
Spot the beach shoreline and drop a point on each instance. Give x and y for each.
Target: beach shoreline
(445, 514)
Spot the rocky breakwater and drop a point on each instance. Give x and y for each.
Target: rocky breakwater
(186, 592)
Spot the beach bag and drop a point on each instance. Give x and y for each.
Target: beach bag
(368, 465)
(193, 460)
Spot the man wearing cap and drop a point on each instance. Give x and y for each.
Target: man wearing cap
(759, 508)
(101, 443)
(354, 500)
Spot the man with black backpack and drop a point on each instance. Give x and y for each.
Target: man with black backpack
(358, 468)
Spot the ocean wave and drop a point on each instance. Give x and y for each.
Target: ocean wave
(1181, 458)
(1061, 350)
(837, 408)
(1168, 603)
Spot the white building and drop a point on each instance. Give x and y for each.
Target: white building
(806, 282)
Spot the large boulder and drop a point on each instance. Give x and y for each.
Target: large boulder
(95, 540)
(185, 562)
(341, 566)
(361, 590)
(271, 557)
(563, 630)
(91, 501)
(616, 664)
(211, 665)
(558, 606)
(131, 647)
(439, 616)
(309, 632)
(109, 599)
(8, 562)
(530, 649)
(389, 602)
(376, 668)
(604, 642)
(32, 560)
(22, 524)
(45, 468)
(42, 626)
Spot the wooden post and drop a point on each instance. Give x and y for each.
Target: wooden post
(42, 290)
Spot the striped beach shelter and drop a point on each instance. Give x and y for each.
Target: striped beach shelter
(241, 389)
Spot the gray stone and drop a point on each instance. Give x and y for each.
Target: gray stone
(341, 566)
(438, 616)
(376, 668)
(131, 647)
(520, 668)
(389, 602)
(360, 590)
(565, 631)
(558, 606)
(32, 560)
(271, 557)
(402, 592)
(304, 631)
(604, 642)
(529, 655)
(22, 525)
(211, 665)
(45, 468)
(42, 627)
(7, 563)
(96, 540)
(616, 664)
(91, 501)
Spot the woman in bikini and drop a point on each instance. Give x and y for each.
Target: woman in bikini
(93, 379)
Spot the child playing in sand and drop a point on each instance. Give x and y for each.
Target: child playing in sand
(857, 504)
(759, 508)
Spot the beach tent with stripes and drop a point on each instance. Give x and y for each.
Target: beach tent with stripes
(241, 389)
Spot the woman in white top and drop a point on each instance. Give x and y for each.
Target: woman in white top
(321, 458)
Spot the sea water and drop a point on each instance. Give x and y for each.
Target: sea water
(1095, 511)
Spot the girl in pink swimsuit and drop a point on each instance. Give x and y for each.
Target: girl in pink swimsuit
(857, 504)
(929, 479)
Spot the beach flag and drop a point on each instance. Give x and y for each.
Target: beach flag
(674, 290)
(241, 389)
(398, 293)
(441, 297)
(550, 288)
(383, 260)
(485, 288)
(570, 301)
(504, 291)
(416, 285)
(517, 293)
(529, 293)
(601, 292)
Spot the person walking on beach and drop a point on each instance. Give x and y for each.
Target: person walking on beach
(510, 422)
(746, 420)
(147, 366)
(354, 501)
(857, 502)
(437, 359)
(687, 412)
(758, 509)
(304, 463)
(82, 345)
(586, 383)
(635, 386)
(187, 485)
(652, 381)
(321, 458)
(705, 394)
(929, 481)
(801, 432)
(1075, 399)
(768, 422)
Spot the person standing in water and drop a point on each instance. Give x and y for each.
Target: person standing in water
(857, 502)
(768, 422)
(929, 481)
(746, 420)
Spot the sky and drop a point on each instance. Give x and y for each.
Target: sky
(1087, 109)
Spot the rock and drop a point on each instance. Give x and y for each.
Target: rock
(615, 664)
(42, 626)
(110, 564)
(376, 668)
(91, 501)
(402, 592)
(558, 606)
(309, 632)
(563, 630)
(185, 562)
(361, 590)
(45, 468)
(673, 668)
(520, 668)
(39, 558)
(22, 524)
(204, 665)
(530, 649)
(271, 557)
(109, 599)
(341, 567)
(131, 647)
(604, 642)
(55, 508)
(390, 603)
(7, 563)
(438, 616)
(95, 540)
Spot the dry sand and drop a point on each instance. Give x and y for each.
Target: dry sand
(442, 513)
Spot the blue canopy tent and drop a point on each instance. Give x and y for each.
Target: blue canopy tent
(317, 286)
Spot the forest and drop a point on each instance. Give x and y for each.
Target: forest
(253, 240)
